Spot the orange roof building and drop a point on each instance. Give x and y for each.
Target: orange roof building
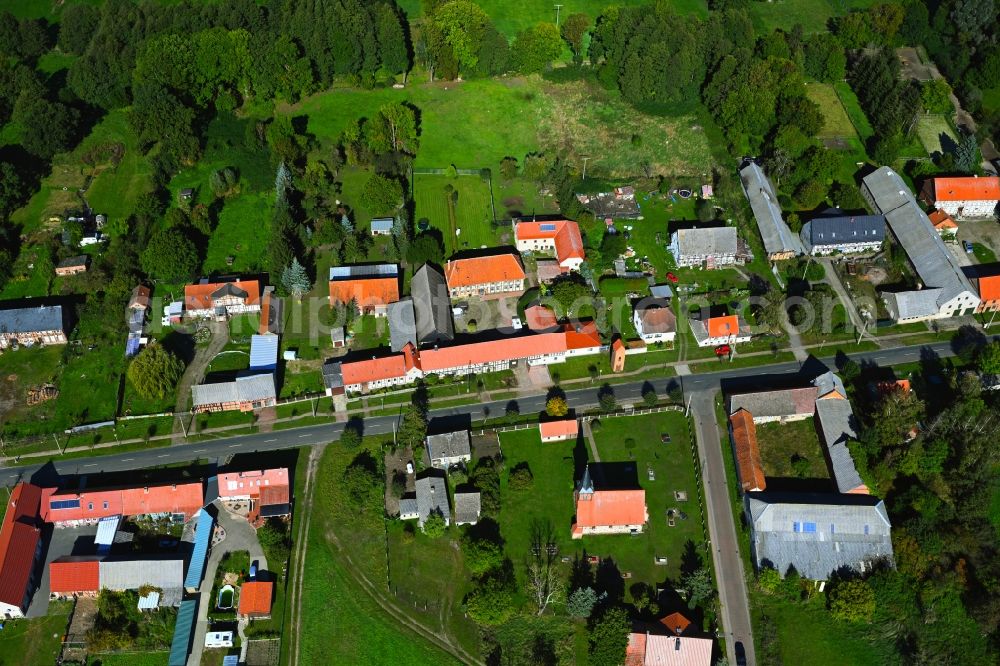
(648, 649)
(676, 623)
(943, 223)
(558, 430)
(20, 543)
(560, 237)
(223, 298)
(749, 465)
(713, 331)
(74, 575)
(68, 507)
(540, 319)
(967, 197)
(989, 293)
(371, 288)
(887, 387)
(255, 599)
(485, 276)
(477, 357)
(608, 511)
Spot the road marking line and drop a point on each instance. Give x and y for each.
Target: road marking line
(270, 440)
(199, 450)
(91, 465)
(233, 446)
(163, 456)
(300, 436)
(127, 459)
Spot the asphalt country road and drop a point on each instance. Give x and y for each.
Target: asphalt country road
(630, 393)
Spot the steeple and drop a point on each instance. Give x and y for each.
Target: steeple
(586, 484)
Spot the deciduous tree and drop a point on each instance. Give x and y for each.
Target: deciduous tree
(170, 255)
(154, 372)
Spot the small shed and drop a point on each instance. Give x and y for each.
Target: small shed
(264, 352)
(338, 337)
(106, 530)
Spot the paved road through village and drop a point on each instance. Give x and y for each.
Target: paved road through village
(700, 388)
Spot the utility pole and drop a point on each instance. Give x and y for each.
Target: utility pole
(558, 7)
(585, 158)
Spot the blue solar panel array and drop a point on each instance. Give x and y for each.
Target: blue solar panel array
(547, 227)
(64, 504)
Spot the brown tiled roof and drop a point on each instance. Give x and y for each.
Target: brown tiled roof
(484, 270)
(748, 459)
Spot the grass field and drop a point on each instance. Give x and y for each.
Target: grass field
(836, 124)
(853, 109)
(113, 190)
(341, 623)
(475, 124)
(805, 634)
(936, 134)
(520, 197)
(781, 443)
(551, 497)
(242, 233)
(465, 224)
(512, 16)
(812, 15)
(129, 659)
(37, 641)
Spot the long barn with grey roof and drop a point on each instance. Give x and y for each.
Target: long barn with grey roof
(711, 247)
(944, 290)
(817, 533)
(779, 241)
(245, 393)
(836, 231)
(38, 325)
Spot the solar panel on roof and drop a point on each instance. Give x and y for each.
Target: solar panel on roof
(65, 504)
(547, 227)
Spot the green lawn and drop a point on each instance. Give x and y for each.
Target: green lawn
(812, 15)
(129, 659)
(512, 16)
(465, 224)
(853, 109)
(476, 123)
(984, 255)
(340, 622)
(551, 497)
(804, 633)
(242, 233)
(520, 197)
(781, 444)
(836, 123)
(937, 134)
(37, 641)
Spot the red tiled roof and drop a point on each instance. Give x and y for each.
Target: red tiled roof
(255, 597)
(19, 537)
(274, 495)
(201, 296)
(565, 235)
(561, 428)
(491, 351)
(251, 482)
(989, 287)
(656, 650)
(941, 220)
(748, 460)
(140, 298)
(540, 318)
(658, 320)
(483, 270)
(370, 370)
(676, 623)
(891, 386)
(612, 507)
(365, 291)
(184, 498)
(721, 327)
(265, 314)
(967, 189)
(68, 575)
(582, 336)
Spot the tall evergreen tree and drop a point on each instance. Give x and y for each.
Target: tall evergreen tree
(295, 280)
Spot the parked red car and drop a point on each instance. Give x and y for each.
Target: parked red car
(673, 278)
(723, 350)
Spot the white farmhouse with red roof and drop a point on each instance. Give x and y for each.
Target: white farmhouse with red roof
(964, 197)
(559, 237)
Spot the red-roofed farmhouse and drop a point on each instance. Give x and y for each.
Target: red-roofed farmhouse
(20, 546)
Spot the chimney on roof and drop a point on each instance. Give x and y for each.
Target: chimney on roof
(677, 644)
(146, 490)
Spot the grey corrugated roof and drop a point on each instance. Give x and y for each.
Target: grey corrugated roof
(432, 306)
(181, 643)
(402, 324)
(934, 263)
(263, 352)
(915, 303)
(351, 272)
(332, 375)
(432, 495)
(777, 237)
(711, 241)
(661, 291)
(242, 389)
(202, 540)
(834, 227)
(449, 445)
(840, 538)
(382, 224)
(79, 260)
(31, 320)
(408, 506)
(133, 574)
(467, 507)
(777, 403)
(827, 382)
(837, 422)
